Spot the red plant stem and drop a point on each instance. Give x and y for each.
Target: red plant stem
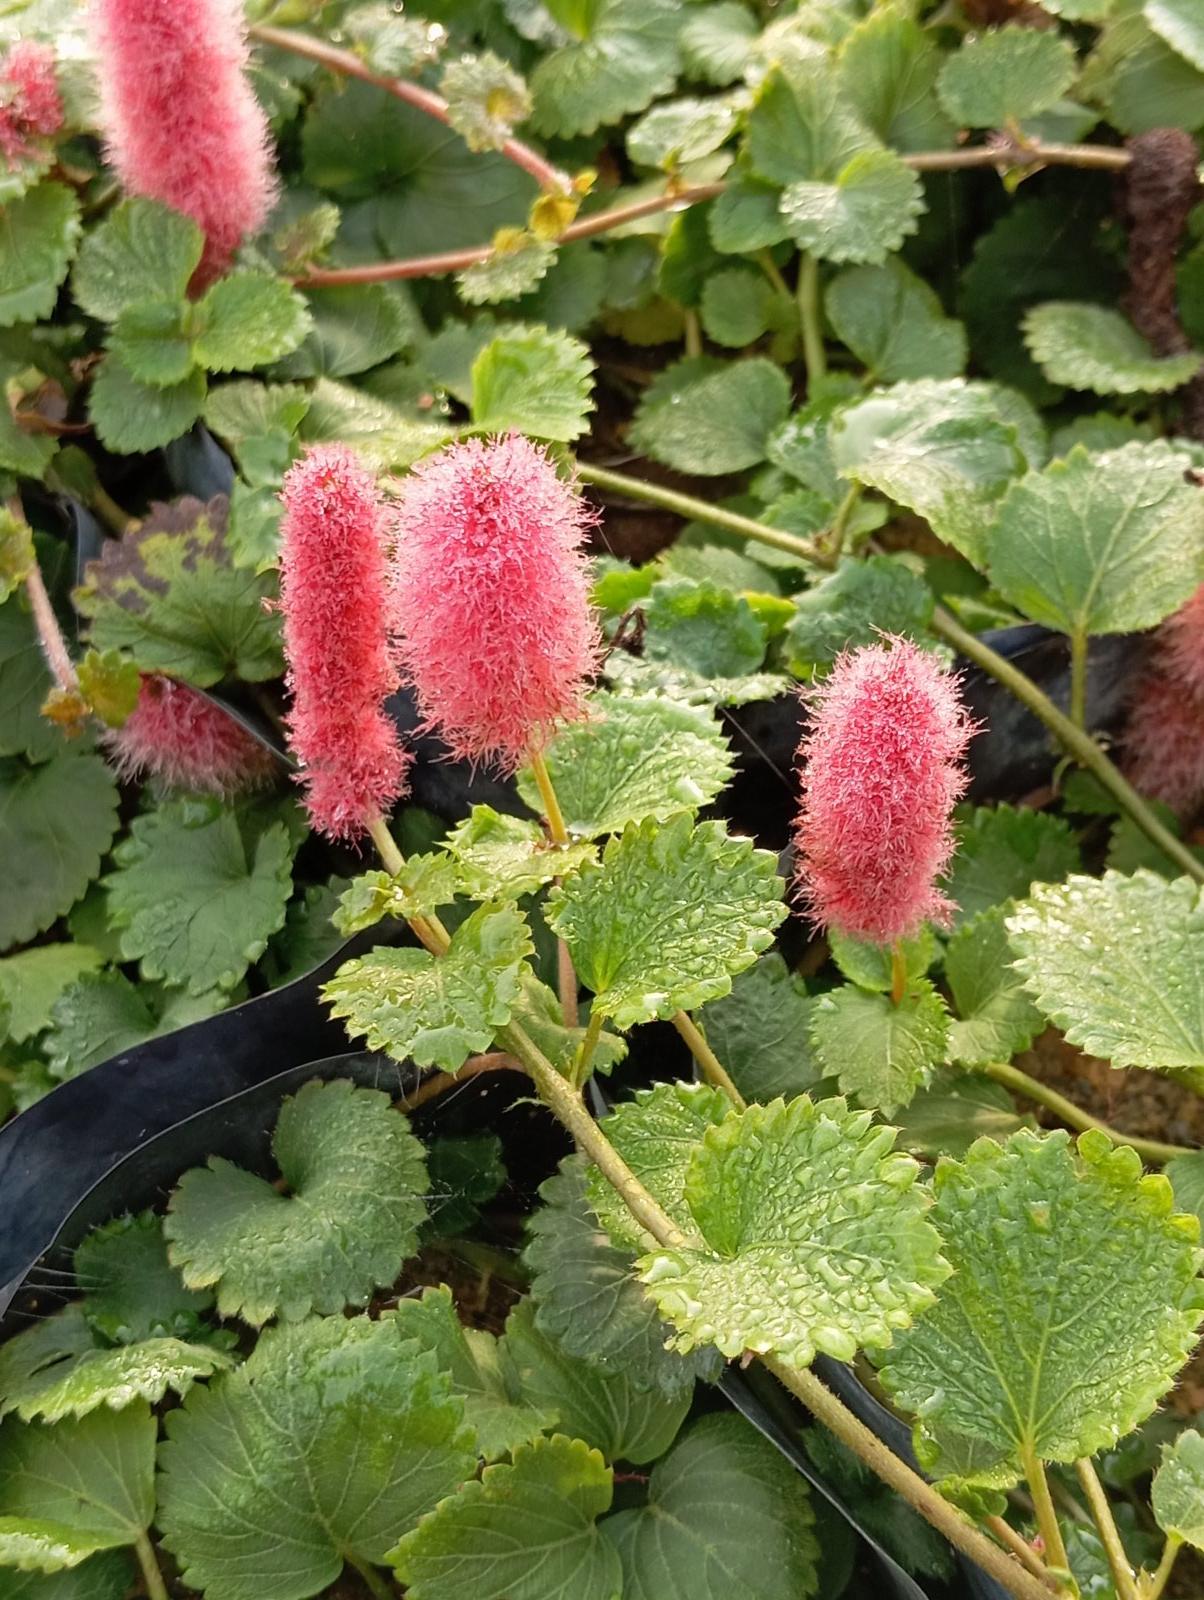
(54, 647)
(344, 61)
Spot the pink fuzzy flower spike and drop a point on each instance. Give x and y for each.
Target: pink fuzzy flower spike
(182, 124)
(1181, 646)
(1163, 752)
(492, 597)
(30, 107)
(881, 769)
(332, 587)
(178, 736)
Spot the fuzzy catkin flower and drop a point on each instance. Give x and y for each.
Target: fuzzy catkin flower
(332, 590)
(1180, 647)
(180, 737)
(1162, 752)
(881, 769)
(491, 591)
(181, 122)
(30, 106)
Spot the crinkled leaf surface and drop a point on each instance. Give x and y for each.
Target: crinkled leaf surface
(725, 1516)
(535, 380)
(38, 232)
(1105, 543)
(141, 250)
(504, 855)
(32, 981)
(996, 1015)
(169, 594)
(879, 1051)
(437, 1010)
(132, 416)
(518, 261)
(1177, 1495)
(131, 1290)
(526, 1530)
(623, 55)
(895, 324)
(114, 1378)
(1002, 852)
(249, 319)
(667, 919)
(853, 606)
(197, 900)
(100, 1015)
(1005, 74)
(761, 1031)
(703, 629)
(426, 882)
(861, 215)
(637, 756)
(348, 1218)
(106, 1575)
(1074, 1301)
(1093, 347)
(331, 1441)
(708, 416)
(1118, 963)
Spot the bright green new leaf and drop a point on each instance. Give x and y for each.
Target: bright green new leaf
(895, 324)
(48, 1553)
(996, 1016)
(133, 417)
(1101, 543)
(131, 1290)
(38, 233)
(110, 683)
(32, 981)
(724, 1517)
(877, 1050)
(347, 1219)
(248, 319)
(169, 594)
(195, 899)
(624, 54)
(140, 251)
(525, 1531)
(606, 1409)
(437, 1010)
(1177, 1493)
(680, 130)
(1006, 75)
(635, 758)
(707, 416)
(486, 99)
(502, 855)
(1093, 347)
(518, 261)
(668, 918)
(329, 1443)
(1178, 22)
(424, 883)
(56, 822)
(854, 606)
(534, 380)
(1006, 1367)
(1001, 852)
(105, 1576)
(872, 966)
(806, 1233)
(761, 1031)
(1118, 963)
(862, 214)
(149, 341)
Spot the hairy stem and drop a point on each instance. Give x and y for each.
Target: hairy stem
(1016, 1543)
(1152, 1587)
(152, 1577)
(811, 321)
(1074, 1116)
(547, 794)
(566, 985)
(429, 930)
(50, 635)
(1047, 1516)
(1079, 643)
(709, 1063)
(426, 100)
(1101, 1512)
(589, 1044)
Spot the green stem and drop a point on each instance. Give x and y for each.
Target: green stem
(709, 1063)
(1114, 1549)
(1078, 681)
(1152, 1587)
(374, 1581)
(898, 973)
(152, 1577)
(588, 1045)
(1033, 1089)
(547, 794)
(810, 321)
(1047, 1516)
(770, 268)
(7, 1075)
(693, 332)
(110, 513)
(429, 930)
(840, 522)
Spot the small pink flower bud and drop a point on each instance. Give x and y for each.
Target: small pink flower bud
(182, 124)
(177, 735)
(492, 597)
(332, 587)
(30, 106)
(881, 770)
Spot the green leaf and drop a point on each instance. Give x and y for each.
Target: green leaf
(715, 41)
(737, 307)
(863, 214)
(465, 1173)
(1186, 1174)
(486, 99)
(329, 1443)
(702, 628)
(32, 981)
(436, 1011)
(38, 233)
(56, 822)
(606, 1409)
(1177, 1493)
(533, 380)
(140, 251)
(149, 341)
(100, 1015)
(997, 1019)
(24, 684)
(258, 421)
(110, 683)
(1117, 962)
(1101, 544)
(355, 327)
(424, 884)
(761, 1031)
(724, 1516)
(673, 912)
(517, 262)
(524, 1531)
(1180, 24)
(895, 324)
(248, 319)
(92, 1480)
(168, 593)
(808, 1232)
(196, 902)
(881, 1514)
(588, 1298)
(871, 966)
(678, 131)
(802, 447)
(385, 439)
(23, 451)
(745, 217)
(1006, 1364)
(854, 606)
(705, 416)
(131, 1290)
(133, 417)
(636, 758)
(1002, 852)
(956, 1108)
(801, 126)
(481, 1373)
(1093, 347)
(509, 856)
(877, 1050)
(105, 1576)
(1005, 75)
(888, 68)
(624, 56)
(349, 1216)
